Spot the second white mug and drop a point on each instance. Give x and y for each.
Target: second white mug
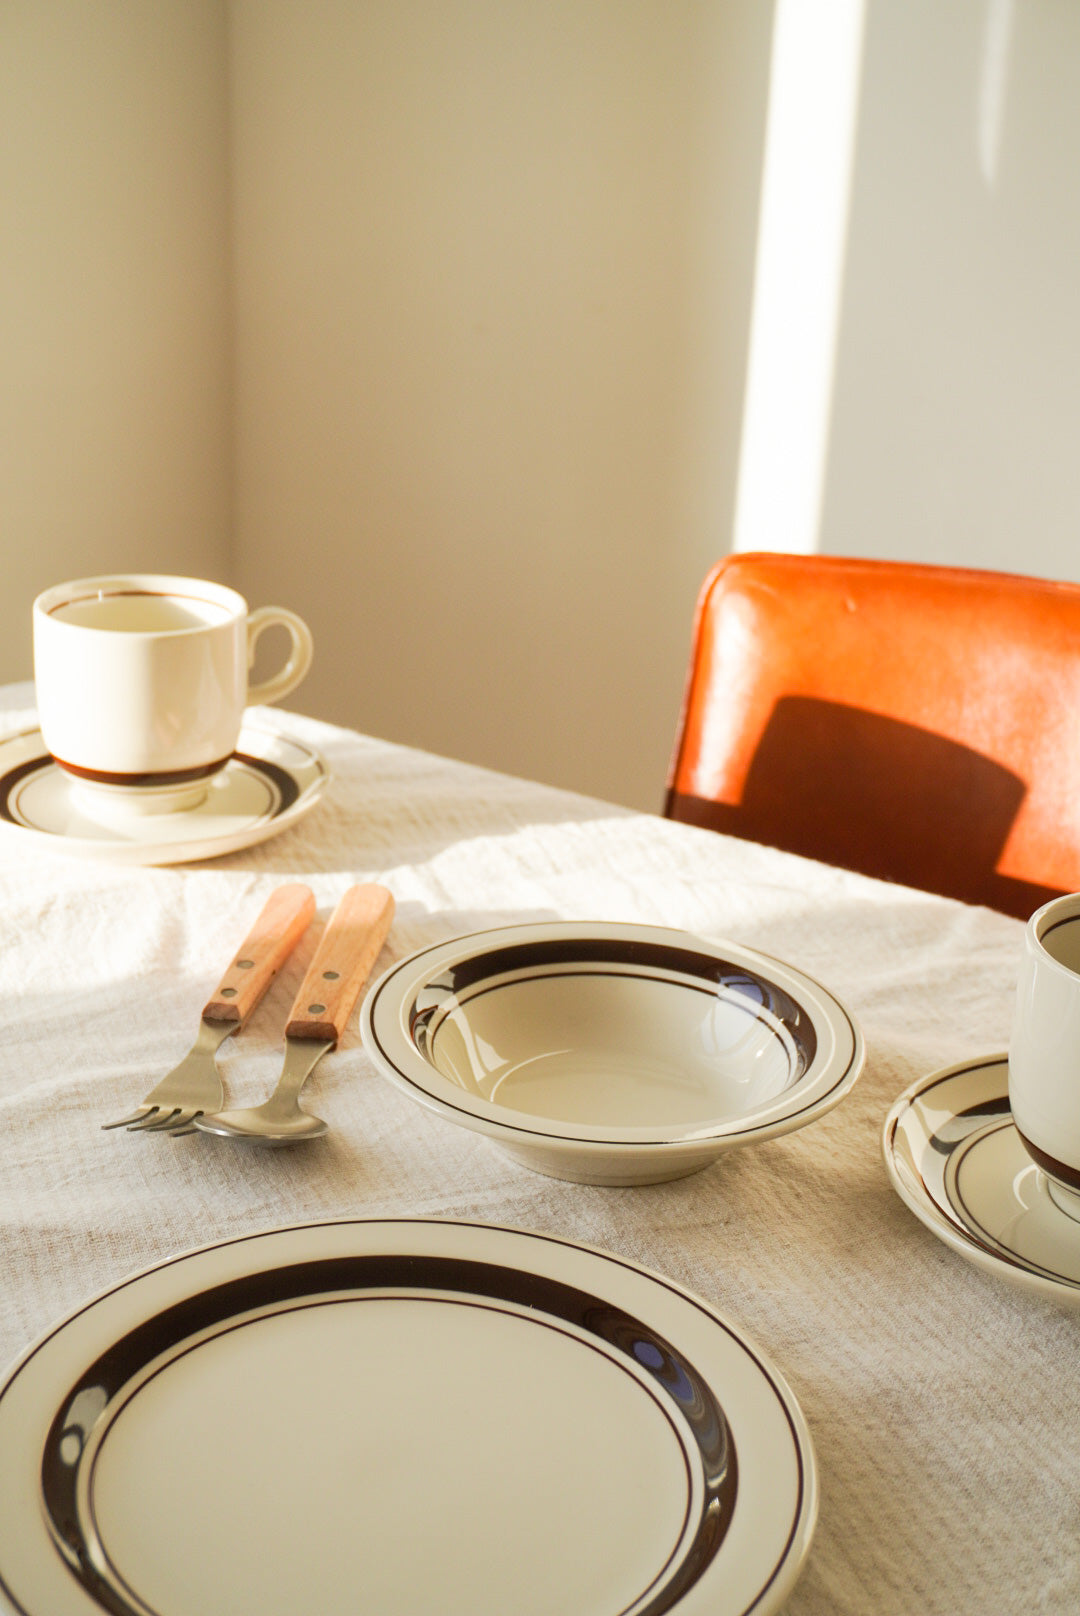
(142, 681)
(1044, 1050)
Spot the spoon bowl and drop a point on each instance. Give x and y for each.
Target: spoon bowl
(269, 1124)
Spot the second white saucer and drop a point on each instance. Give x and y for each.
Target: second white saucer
(956, 1159)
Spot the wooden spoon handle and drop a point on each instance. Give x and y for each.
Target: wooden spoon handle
(284, 918)
(347, 950)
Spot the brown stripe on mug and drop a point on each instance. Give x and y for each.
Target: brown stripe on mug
(173, 777)
(1050, 1164)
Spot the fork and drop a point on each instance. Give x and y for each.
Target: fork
(195, 1085)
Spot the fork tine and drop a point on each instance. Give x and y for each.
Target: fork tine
(184, 1123)
(158, 1118)
(127, 1122)
(179, 1120)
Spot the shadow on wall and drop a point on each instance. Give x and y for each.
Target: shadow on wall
(885, 798)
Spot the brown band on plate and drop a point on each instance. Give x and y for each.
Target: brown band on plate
(1050, 1164)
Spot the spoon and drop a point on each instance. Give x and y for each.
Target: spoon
(320, 1013)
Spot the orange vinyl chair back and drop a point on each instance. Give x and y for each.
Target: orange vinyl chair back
(916, 723)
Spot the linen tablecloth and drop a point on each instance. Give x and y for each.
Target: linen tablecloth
(942, 1403)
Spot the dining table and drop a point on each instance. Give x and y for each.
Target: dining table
(940, 1399)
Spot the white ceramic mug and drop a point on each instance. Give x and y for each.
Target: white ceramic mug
(142, 681)
(1044, 1051)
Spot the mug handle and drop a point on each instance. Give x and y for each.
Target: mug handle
(299, 660)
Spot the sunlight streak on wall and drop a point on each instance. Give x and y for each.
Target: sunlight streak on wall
(813, 104)
(993, 80)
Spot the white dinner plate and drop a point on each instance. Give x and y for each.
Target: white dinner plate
(611, 1053)
(271, 781)
(956, 1159)
(400, 1417)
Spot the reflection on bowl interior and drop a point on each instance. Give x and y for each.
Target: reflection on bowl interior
(634, 1043)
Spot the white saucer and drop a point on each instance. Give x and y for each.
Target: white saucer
(956, 1159)
(270, 782)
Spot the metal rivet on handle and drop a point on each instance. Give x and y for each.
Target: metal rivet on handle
(228, 993)
(331, 976)
(245, 965)
(316, 1009)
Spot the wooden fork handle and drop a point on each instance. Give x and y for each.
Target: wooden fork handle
(347, 950)
(285, 917)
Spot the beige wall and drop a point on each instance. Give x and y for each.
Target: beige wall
(114, 360)
(493, 262)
